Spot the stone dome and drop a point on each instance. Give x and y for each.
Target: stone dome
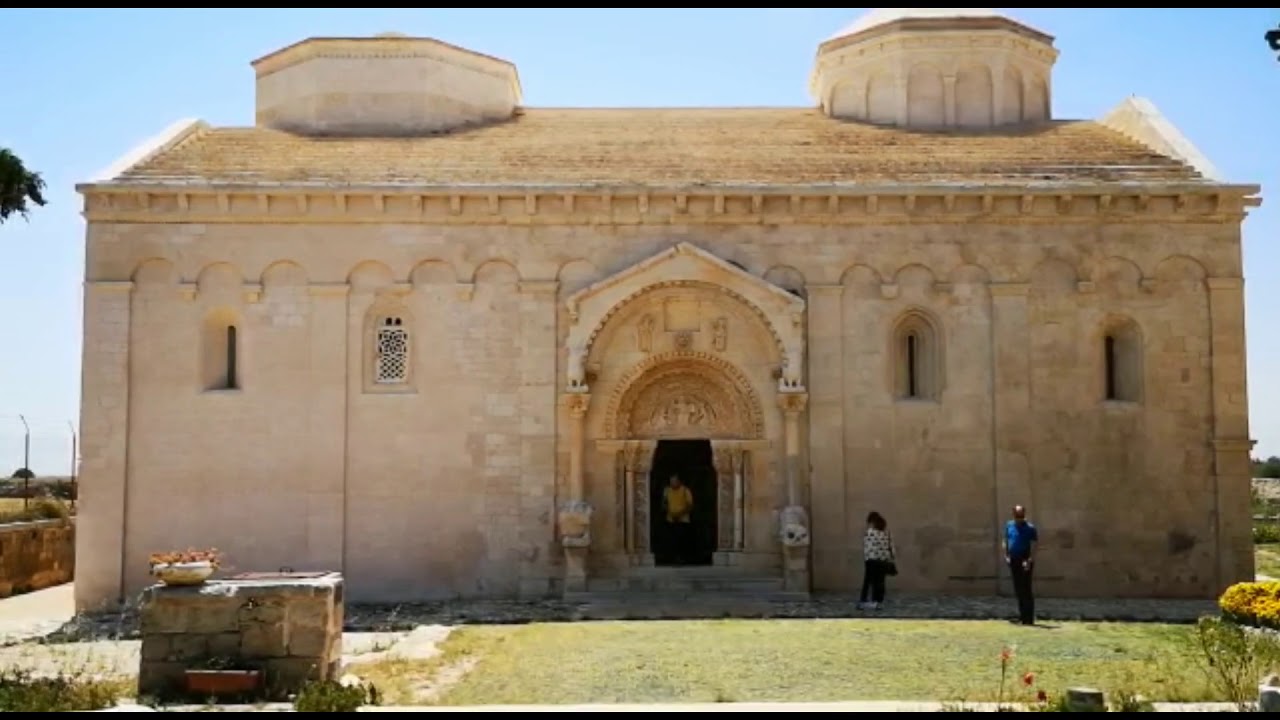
(932, 68)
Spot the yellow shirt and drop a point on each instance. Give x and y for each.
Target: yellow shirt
(679, 503)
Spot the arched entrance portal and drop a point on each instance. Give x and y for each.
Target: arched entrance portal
(692, 415)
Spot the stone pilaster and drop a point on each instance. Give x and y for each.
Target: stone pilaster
(327, 485)
(828, 486)
(1011, 406)
(537, 427)
(1231, 442)
(102, 527)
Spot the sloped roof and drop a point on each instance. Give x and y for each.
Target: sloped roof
(665, 147)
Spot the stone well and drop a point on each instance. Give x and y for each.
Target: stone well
(288, 625)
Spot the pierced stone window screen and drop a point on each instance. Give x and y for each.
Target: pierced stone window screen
(391, 352)
(916, 361)
(1122, 363)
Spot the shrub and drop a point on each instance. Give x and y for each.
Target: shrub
(1235, 657)
(1266, 533)
(38, 509)
(330, 696)
(20, 691)
(1252, 603)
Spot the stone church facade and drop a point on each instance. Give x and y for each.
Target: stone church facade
(406, 328)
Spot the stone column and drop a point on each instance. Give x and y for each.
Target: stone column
(641, 457)
(1011, 409)
(1231, 442)
(828, 487)
(740, 502)
(104, 436)
(794, 519)
(575, 514)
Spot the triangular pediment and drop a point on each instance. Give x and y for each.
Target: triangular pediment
(592, 306)
(683, 262)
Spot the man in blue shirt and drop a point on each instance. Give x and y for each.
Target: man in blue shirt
(1020, 539)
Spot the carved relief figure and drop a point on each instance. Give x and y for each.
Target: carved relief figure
(681, 412)
(684, 340)
(575, 372)
(794, 526)
(790, 371)
(720, 333)
(575, 524)
(644, 334)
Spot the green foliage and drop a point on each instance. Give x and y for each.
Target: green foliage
(1269, 468)
(1265, 533)
(45, 508)
(23, 474)
(20, 691)
(1235, 658)
(18, 186)
(330, 696)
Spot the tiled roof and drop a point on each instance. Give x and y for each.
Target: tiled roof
(668, 147)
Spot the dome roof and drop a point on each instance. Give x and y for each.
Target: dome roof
(884, 16)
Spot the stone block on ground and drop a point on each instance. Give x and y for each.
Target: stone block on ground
(288, 626)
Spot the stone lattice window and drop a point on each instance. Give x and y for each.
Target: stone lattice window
(917, 358)
(391, 352)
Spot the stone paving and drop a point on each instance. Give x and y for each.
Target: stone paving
(407, 616)
(864, 706)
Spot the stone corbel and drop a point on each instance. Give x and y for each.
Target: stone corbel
(1148, 284)
(888, 291)
(790, 380)
(252, 292)
(1027, 204)
(793, 401)
(988, 203)
(538, 287)
(1065, 203)
(942, 288)
(1084, 286)
(576, 371)
(1104, 203)
(465, 291)
(187, 290)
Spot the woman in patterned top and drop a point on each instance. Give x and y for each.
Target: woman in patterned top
(877, 558)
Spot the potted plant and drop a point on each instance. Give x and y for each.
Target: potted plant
(187, 567)
(220, 677)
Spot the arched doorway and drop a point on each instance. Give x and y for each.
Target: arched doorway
(694, 415)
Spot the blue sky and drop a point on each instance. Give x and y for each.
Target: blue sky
(84, 86)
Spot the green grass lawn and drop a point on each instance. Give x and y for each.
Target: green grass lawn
(782, 660)
(1266, 559)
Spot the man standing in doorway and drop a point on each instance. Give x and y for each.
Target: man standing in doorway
(677, 502)
(1020, 539)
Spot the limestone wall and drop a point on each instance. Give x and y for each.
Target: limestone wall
(36, 555)
(448, 486)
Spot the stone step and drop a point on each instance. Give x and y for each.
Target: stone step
(675, 605)
(736, 584)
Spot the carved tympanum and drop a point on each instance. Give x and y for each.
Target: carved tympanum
(683, 415)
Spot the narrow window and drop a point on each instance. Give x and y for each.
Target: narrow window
(1112, 368)
(231, 358)
(913, 369)
(391, 352)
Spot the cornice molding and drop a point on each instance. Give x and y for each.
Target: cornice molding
(136, 203)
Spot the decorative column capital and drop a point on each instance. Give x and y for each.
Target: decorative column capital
(793, 403)
(577, 404)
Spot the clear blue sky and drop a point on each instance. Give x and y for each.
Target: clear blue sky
(84, 86)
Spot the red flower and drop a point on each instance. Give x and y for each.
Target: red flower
(1042, 696)
(1006, 655)
(1029, 679)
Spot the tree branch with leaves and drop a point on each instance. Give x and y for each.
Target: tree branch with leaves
(18, 186)
(1273, 39)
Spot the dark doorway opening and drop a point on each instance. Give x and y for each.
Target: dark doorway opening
(694, 543)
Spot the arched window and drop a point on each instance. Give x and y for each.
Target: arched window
(917, 358)
(391, 352)
(1122, 362)
(221, 351)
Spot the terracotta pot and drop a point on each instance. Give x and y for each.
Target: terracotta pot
(190, 573)
(222, 682)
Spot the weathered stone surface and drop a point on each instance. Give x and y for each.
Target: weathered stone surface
(289, 628)
(36, 555)
(1085, 700)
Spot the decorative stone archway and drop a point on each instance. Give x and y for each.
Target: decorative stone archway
(683, 395)
(674, 316)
